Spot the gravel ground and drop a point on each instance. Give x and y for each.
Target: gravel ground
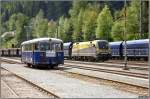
(20, 87)
(119, 86)
(109, 68)
(67, 87)
(6, 92)
(111, 76)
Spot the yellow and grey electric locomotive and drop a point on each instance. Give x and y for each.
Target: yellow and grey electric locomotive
(91, 50)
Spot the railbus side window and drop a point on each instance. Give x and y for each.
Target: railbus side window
(30, 47)
(25, 47)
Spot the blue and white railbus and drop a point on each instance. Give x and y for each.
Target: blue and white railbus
(42, 52)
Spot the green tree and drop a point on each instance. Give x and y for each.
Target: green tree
(67, 30)
(52, 28)
(22, 20)
(89, 24)
(12, 22)
(61, 33)
(64, 29)
(76, 14)
(104, 24)
(118, 30)
(40, 25)
(77, 26)
(144, 18)
(133, 20)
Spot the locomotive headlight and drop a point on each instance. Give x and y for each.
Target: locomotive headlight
(99, 50)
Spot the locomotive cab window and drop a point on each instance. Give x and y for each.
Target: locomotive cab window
(103, 45)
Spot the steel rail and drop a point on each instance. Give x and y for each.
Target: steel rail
(108, 65)
(33, 84)
(9, 88)
(103, 70)
(145, 76)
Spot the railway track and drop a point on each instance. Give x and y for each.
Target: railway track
(141, 63)
(116, 64)
(107, 70)
(107, 64)
(26, 88)
(120, 72)
(120, 62)
(112, 63)
(9, 89)
(99, 69)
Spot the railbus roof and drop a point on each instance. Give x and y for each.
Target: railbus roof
(41, 39)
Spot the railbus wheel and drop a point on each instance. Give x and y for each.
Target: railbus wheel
(28, 65)
(34, 66)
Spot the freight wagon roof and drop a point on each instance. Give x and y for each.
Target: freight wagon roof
(67, 44)
(94, 41)
(142, 41)
(41, 39)
(115, 43)
(137, 43)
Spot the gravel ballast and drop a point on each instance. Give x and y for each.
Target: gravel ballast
(65, 87)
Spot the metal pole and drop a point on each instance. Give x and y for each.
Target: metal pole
(27, 34)
(149, 45)
(125, 45)
(57, 31)
(27, 29)
(140, 25)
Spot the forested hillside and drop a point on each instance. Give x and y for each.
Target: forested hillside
(73, 20)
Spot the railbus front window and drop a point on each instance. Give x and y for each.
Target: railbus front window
(56, 46)
(44, 46)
